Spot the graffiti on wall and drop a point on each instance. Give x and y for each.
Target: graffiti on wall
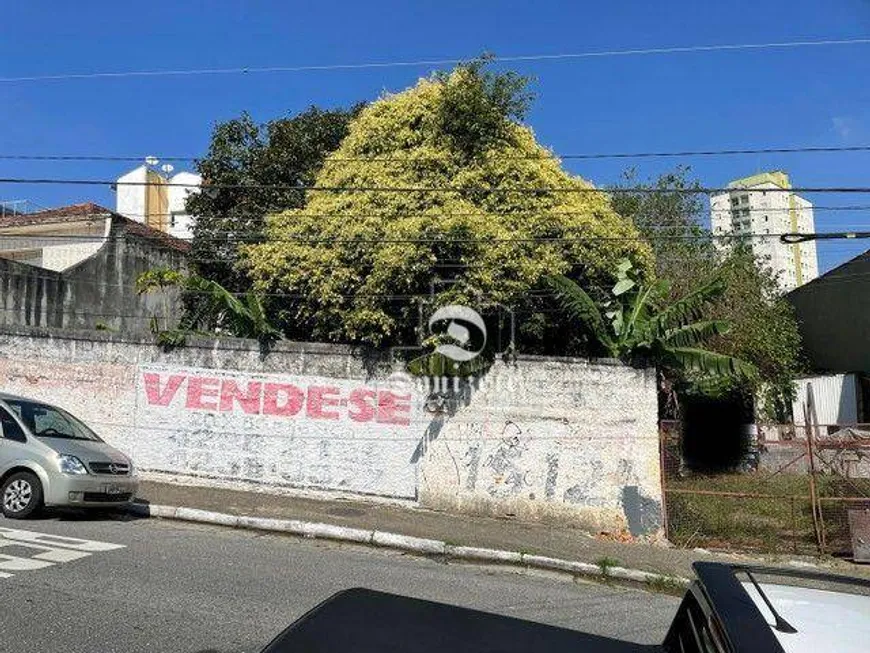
(297, 431)
(549, 461)
(206, 391)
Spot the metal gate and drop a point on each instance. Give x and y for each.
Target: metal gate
(807, 491)
(767, 507)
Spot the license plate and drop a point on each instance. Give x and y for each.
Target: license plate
(113, 489)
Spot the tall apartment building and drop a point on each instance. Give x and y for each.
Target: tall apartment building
(757, 207)
(153, 198)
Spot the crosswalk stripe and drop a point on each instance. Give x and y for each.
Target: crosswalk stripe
(58, 540)
(49, 550)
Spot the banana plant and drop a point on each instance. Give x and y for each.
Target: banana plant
(212, 309)
(633, 324)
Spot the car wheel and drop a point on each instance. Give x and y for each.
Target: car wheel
(21, 495)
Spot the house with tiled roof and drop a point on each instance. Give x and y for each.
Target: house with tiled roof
(75, 267)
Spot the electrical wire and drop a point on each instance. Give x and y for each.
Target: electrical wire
(578, 189)
(460, 214)
(408, 297)
(243, 70)
(261, 239)
(50, 276)
(569, 156)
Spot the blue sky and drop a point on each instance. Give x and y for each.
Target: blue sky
(812, 96)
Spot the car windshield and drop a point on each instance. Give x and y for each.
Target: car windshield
(46, 421)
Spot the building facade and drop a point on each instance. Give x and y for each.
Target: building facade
(54, 239)
(151, 197)
(76, 267)
(833, 314)
(759, 208)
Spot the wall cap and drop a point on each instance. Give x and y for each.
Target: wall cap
(249, 345)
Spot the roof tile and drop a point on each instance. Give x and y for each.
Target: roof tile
(89, 210)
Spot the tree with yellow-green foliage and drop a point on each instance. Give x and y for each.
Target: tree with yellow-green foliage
(355, 265)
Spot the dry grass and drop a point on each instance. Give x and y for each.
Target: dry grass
(759, 511)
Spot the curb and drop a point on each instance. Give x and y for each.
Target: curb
(417, 545)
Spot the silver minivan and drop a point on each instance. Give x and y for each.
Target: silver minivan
(50, 458)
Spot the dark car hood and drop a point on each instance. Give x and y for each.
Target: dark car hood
(365, 621)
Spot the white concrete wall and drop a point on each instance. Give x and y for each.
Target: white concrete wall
(720, 218)
(61, 257)
(277, 429)
(553, 440)
(55, 247)
(130, 199)
(181, 186)
(807, 224)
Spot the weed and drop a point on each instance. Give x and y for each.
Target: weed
(606, 563)
(526, 552)
(757, 512)
(666, 585)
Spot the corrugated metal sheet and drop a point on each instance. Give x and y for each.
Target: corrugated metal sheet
(835, 397)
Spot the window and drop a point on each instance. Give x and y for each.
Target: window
(50, 422)
(11, 428)
(174, 217)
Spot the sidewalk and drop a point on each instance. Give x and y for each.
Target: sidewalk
(463, 530)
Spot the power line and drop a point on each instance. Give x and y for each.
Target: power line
(406, 297)
(448, 189)
(261, 239)
(283, 295)
(48, 275)
(540, 293)
(243, 70)
(409, 297)
(423, 213)
(569, 156)
(88, 157)
(763, 150)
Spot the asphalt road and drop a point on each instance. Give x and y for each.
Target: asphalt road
(189, 588)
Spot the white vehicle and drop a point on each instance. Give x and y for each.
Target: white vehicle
(728, 609)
